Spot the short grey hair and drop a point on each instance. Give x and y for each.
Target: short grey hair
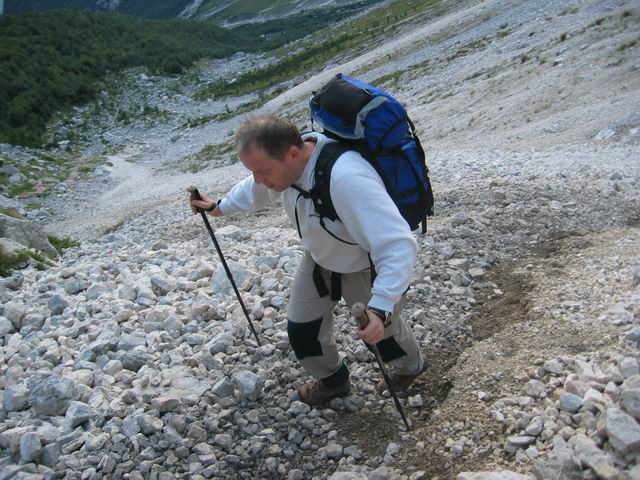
(272, 134)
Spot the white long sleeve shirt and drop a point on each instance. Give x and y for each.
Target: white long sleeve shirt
(368, 218)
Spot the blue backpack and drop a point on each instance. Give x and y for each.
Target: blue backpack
(372, 122)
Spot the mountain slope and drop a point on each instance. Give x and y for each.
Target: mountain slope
(218, 11)
(144, 8)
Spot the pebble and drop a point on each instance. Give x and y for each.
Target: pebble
(570, 403)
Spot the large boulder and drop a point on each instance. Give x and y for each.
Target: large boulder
(26, 233)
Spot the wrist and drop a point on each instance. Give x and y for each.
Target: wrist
(383, 315)
(213, 206)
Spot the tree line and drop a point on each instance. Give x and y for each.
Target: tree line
(52, 59)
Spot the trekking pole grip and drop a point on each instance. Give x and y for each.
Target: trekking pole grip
(359, 312)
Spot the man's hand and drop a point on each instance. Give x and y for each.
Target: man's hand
(374, 331)
(206, 202)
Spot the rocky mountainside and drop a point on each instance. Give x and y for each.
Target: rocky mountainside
(132, 359)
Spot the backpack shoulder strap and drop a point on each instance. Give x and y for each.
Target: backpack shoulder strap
(320, 193)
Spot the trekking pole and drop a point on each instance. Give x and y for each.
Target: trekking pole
(359, 313)
(197, 196)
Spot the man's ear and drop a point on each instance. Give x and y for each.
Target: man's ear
(293, 153)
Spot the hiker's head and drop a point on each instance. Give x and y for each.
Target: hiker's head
(272, 149)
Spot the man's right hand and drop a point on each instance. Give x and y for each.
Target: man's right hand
(206, 202)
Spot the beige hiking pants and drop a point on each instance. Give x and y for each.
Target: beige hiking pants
(310, 326)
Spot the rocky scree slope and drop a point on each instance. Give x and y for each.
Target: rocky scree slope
(133, 358)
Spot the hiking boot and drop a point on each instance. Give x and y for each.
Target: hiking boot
(315, 393)
(399, 382)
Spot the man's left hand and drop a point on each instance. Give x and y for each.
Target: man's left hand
(374, 331)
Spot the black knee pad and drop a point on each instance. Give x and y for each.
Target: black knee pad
(389, 349)
(303, 338)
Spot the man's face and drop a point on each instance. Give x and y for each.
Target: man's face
(275, 174)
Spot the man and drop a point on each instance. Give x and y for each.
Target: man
(339, 255)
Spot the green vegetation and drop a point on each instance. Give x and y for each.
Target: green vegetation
(143, 8)
(468, 48)
(229, 113)
(49, 60)
(42, 260)
(39, 174)
(275, 33)
(10, 212)
(8, 261)
(209, 153)
(61, 244)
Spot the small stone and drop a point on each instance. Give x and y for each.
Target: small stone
(15, 311)
(165, 404)
(484, 396)
(135, 359)
(295, 474)
(570, 403)
(202, 448)
(516, 442)
(16, 398)
(629, 366)
(224, 388)
(159, 245)
(249, 385)
(298, 408)
(633, 335)
(6, 326)
(393, 449)
(112, 367)
(57, 304)
(623, 431)
(476, 273)
(629, 400)
(459, 263)
(536, 388)
(162, 284)
(30, 447)
(535, 427)
(220, 343)
(149, 424)
(223, 440)
(77, 414)
(332, 450)
(554, 366)
(605, 134)
(52, 396)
